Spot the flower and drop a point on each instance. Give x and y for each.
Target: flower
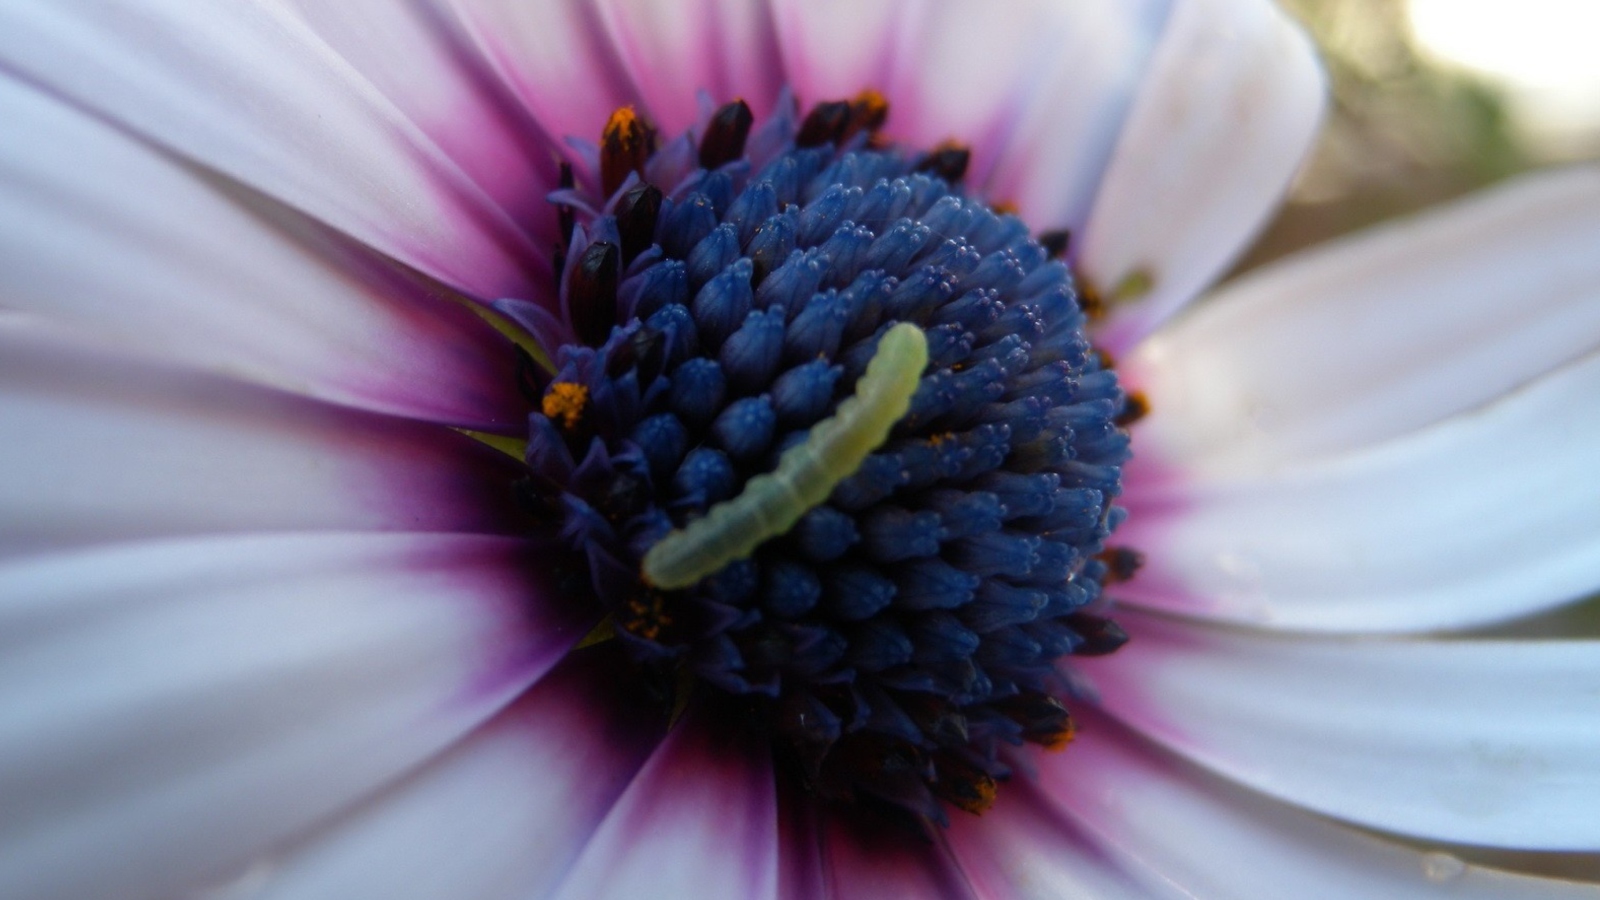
(272, 628)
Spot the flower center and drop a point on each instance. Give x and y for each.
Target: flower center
(737, 309)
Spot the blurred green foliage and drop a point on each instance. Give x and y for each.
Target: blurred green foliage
(1402, 132)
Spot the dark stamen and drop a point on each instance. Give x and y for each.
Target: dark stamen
(636, 213)
(1122, 563)
(625, 145)
(1043, 718)
(948, 161)
(725, 134)
(1100, 636)
(566, 216)
(826, 123)
(1089, 299)
(1134, 408)
(1056, 242)
(966, 787)
(868, 112)
(592, 293)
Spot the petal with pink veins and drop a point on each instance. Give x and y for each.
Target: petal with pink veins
(122, 242)
(248, 92)
(103, 448)
(1037, 94)
(1379, 334)
(1472, 741)
(865, 858)
(172, 709)
(1487, 516)
(1230, 104)
(699, 820)
(428, 68)
(672, 50)
(1027, 848)
(555, 56)
(502, 815)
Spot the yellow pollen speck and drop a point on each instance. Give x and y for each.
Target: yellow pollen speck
(564, 403)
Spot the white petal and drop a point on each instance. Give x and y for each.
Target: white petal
(249, 91)
(122, 242)
(172, 709)
(1486, 516)
(500, 817)
(555, 55)
(435, 77)
(100, 448)
(1077, 96)
(672, 50)
(1382, 333)
(1110, 801)
(699, 820)
(1229, 107)
(1469, 741)
(1037, 93)
(833, 49)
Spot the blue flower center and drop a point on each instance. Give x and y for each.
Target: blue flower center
(724, 296)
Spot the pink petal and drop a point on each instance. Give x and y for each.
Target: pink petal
(1380, 334)
(699, 820)
(502, 815)
(1038, 93)
(172, 709)
(433, 74)
(555, 56)
(248, 92)
(864, 858)
(1028, 847)
(1470, 741)
(1492, 514)
(673, 50)
(1228, 107)
(122, 242)
(104, 448)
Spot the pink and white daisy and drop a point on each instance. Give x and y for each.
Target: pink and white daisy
(271, 624)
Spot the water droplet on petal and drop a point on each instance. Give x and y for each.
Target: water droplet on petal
(1442, 867)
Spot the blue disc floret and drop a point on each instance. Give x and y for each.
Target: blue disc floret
(727, 300)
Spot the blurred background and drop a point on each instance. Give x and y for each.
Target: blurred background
(1432, 99)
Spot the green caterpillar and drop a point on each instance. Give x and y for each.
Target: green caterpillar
(770, 504)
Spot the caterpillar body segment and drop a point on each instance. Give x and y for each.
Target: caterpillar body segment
(807, 473)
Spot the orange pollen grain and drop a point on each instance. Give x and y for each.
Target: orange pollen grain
(624, 126)
(564, 403)
(1059, 739)
(982, 793)
(870, 108)
(647, 618)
